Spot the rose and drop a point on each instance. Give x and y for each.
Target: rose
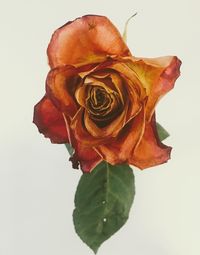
(101, 99)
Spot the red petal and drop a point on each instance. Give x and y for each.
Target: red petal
(157, 76)
(60, 86)
(81, 133)
(50, 121)
(165, 81)
(88, 39)
(86, 156)
(150, 151)
(136, 146)
(119, 150)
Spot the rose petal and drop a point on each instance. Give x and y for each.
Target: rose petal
(150, 151)
(87, 39)
(87, 157)
(60, 86)
(166, 80)
(157, 77)
(117, 81)
(119, 150)
(135, 92)
(80, 132)
(131, 79)
(133, 99)
(50, 121)
(111, 130)
(108, 80)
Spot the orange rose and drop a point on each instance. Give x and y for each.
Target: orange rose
(101, 99)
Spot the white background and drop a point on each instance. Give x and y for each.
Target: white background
(37, 183)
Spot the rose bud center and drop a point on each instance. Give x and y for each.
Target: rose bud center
(102, 106)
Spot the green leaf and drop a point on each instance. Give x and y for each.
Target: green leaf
(162, 133)
(69, 148)
(102, 203)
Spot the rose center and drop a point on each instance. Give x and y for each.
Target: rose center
(102, 105)
(99, 96)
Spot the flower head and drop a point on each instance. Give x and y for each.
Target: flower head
(101, 99)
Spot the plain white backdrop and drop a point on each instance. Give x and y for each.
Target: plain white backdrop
(37, 183)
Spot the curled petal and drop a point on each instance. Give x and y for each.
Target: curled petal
(119, 150)
(81, 133)
(135, 92)
(87, 157)
(89, 39)
(117, 81)
(133, 99)
(111, 130)
(105, 79)
(157, 76)
(60, 86)
(50, 121)
(150, 151)
(113, 81)
(166, 81)
(130, 77)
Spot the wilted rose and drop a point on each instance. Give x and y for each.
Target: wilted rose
(101, 99)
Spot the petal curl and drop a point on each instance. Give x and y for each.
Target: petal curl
(87, 157)
(118, 150)
(111, 130)
(87, 39)
(50, 121)
(61, 83)
(80, 132)
(150, 151)
(157, 77)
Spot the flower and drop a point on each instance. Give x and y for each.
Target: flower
(101, 99)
